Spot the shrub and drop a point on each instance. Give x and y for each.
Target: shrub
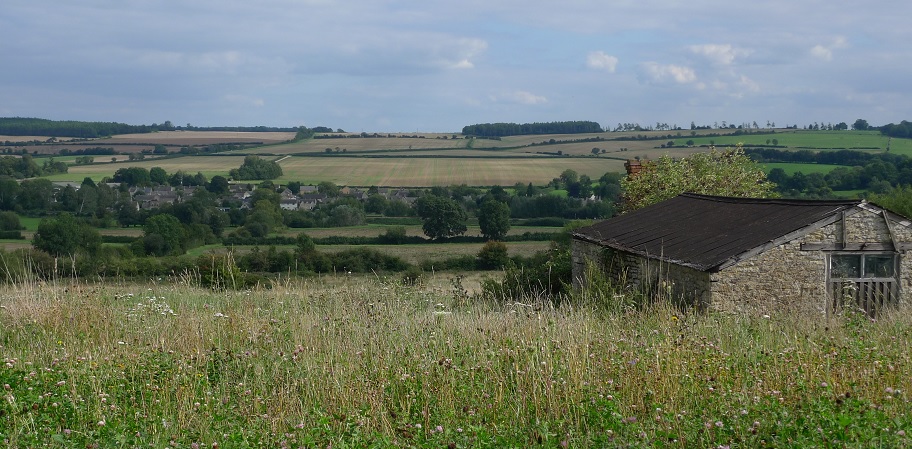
(413, 276)
(493, 256)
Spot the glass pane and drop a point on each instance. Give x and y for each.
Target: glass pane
(845, 266)
(878, 266)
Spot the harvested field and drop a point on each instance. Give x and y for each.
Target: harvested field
(420, 172)
(430, 141)
(198, 137)
(208, 165)
(416, 172)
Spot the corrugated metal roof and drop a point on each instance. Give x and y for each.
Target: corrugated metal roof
(703, 232)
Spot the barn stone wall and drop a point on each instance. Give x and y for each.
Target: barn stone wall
(781, 278)
(676, 283)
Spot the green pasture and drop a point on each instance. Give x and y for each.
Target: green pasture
(791, 168)
(29, 223)
(412, 230)
(802, 139)
(433, 252)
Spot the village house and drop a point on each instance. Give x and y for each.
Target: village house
(760, 255)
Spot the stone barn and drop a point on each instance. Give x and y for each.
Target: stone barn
(759, 255)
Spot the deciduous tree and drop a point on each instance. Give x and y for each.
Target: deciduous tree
(442, 217)
(494, 219)
(64, 236)
(725, 173)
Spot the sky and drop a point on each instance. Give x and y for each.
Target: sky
(436, 66)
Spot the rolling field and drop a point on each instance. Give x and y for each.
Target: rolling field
(414, 172)
(198, 137)
(801, 139)
(135, 143)
(792, 168)
(362, 144)
(415, 254)
(208, 165)
(407, 161)
(439, 172)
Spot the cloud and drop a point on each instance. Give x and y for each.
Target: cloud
(521, 97)
(825, 52)
(657, 73)
(749, 84)
(601, 61)
(720, 54)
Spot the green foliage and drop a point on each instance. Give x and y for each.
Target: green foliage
(164, 234)
(515, 129)
(898, 200)
(132, 176)
(725, 173)
(494, 219)
(395, 235)
(255, 168)
(64, 235)
(413, 276)
(9, 221)
(441, 217)
(493, 255)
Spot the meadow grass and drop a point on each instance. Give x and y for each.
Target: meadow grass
(368, 362)
(791, 168)
(798, 139)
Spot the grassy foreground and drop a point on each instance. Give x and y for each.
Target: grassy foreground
(371, 363)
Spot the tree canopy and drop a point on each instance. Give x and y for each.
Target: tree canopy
(725, 173)
(516, 129)
(442, 216)
(494, 219)
(64, 235)
(256, 168)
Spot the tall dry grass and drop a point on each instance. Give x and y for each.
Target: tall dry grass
(356, 361)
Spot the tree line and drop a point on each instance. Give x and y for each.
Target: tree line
(516, 129)
(28, 126)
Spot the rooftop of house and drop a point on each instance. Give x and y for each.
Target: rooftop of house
(704, 232)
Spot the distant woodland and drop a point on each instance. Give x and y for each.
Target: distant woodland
(516, 129)
(20, 126)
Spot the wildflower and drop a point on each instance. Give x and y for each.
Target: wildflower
(719, 424)
(823, 384)
(901, 433)
(101, 423)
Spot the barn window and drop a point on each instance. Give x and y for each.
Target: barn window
(858, 266)
(866, 279)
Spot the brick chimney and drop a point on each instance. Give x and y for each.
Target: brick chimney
(633, 167)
